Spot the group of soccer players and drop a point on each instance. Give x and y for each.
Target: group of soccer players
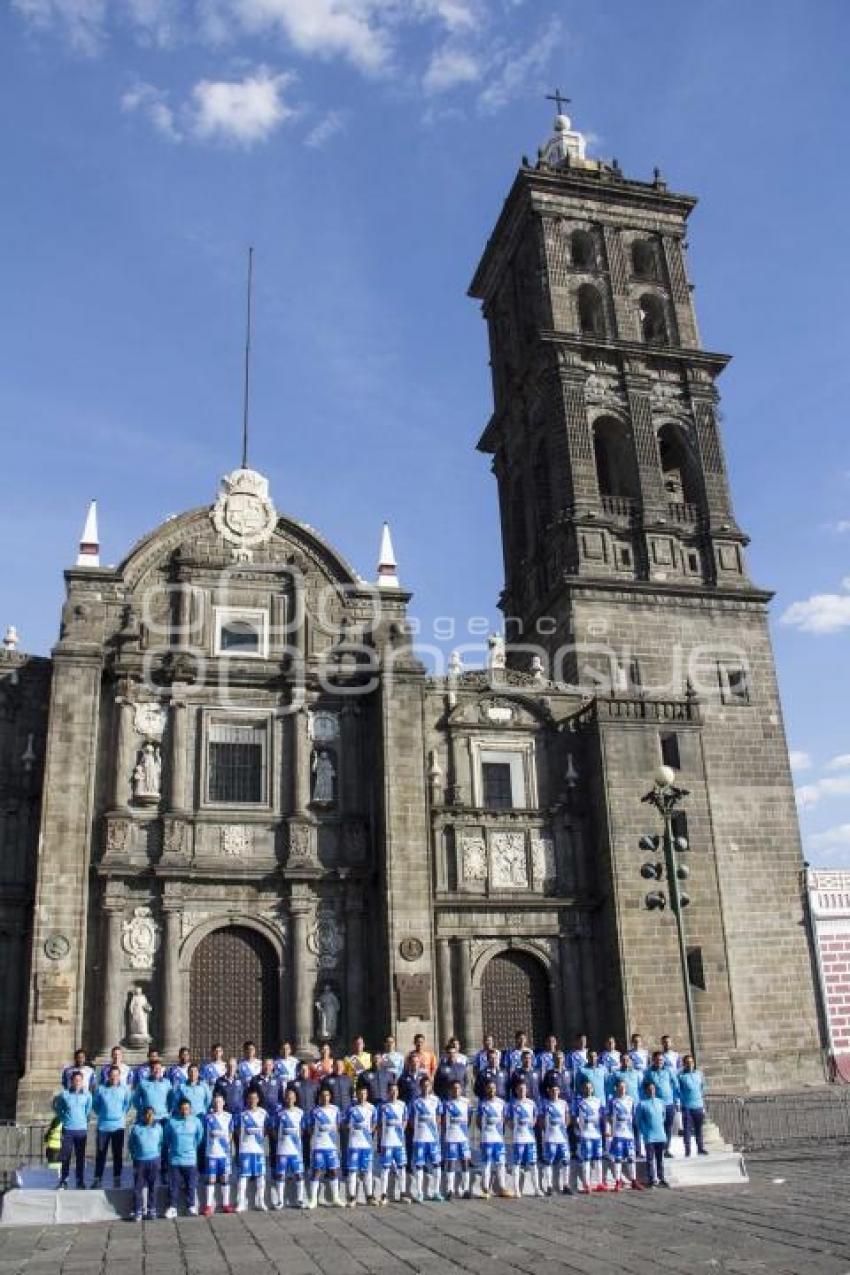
(396, 1127)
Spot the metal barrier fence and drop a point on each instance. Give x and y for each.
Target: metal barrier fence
(20, 1144)
(761, 1121)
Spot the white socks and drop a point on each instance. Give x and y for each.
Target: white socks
(260, 1195)
(419, 1179)
(241, 1195)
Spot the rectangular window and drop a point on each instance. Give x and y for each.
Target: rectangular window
(236, 769)
(696, 968)
(670, 749)
(498, 791)
(242, 632)
(679, 825)
(734, 684)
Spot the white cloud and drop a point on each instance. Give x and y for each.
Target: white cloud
(843, 525)
(325, 129)
(821, 613)
(153, 104)
(800, 760)
(450, 67)
(81, 20)
(833, 839)
(841, 762)
(242, 111)
(512, 73)
(810, 794)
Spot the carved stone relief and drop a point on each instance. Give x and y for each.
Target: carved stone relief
(236, 840)
(473, 858)
(140, 938)
(543, 870)
(508, 861)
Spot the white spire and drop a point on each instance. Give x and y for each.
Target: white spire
(387, 566)
(89, 555)
(10, 638)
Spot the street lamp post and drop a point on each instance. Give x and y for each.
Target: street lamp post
(666, 795)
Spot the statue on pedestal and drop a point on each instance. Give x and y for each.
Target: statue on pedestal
(327, 1013)
(139, 1011)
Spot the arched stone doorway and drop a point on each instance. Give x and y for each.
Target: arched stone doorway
(233, 992)
(515, 997)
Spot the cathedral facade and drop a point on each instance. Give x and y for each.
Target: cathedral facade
(234, 803)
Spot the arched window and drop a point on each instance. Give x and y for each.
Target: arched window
(591, 313)
(644, 259)
(616, 470)
(582, 251)
(653, 324)
(678, 465)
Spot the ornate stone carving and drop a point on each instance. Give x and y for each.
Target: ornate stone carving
(147, 774)
(149, 718)
(508, 862)
(543, 869)
(139, 1010)
(411, 948)
(243, 513)
(56, 946)
(140, 938)
(302, 843)
(473, 858)
(323, 726)
(327, 939)
(117, 836)
(499, 712)
(174, 836)
(190, 921)
(236, 840)
(496, 655)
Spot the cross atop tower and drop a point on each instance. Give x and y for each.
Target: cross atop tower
(558, 98)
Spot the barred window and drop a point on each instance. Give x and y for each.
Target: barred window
(236, 762)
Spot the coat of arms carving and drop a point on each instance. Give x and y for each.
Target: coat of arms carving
(243, 513)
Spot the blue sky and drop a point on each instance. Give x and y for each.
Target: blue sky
(364, 147)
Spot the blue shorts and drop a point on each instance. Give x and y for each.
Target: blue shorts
(252, 1164)
(591, 1149)
(358, 1159)
(492, 1153)
(288, 1166)
(556, 1153)
(217, 1169)
(457, 1151)
(622, 1149)
(324, 1160)
(525, 1153)
(391, 1156)
(426, 1154)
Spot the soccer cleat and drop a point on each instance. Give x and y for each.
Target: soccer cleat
(170, 1213)
(548, 1192)
(600, 1188)
(95, 1186)
(467, 1195)
(636, 1186)
(61, 1186)
(261, 1206)
(373, 1201)
(702, 1151)
(193, 1210)
(207, 1211)
(227, 1208)
(566, 1190)
(150, 1216)
(584, 1190)
(664, 1183)
(137, 1217)
(240, 1208)
(618, 1186)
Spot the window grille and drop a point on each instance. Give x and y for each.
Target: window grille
(237, 762)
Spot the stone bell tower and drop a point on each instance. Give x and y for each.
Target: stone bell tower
(625, 575)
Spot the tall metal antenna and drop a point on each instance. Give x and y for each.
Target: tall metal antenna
(247, 360)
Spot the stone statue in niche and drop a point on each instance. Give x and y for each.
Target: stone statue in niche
(147, 775)
(497, 656)
(327, 1013)
(139, 1010)
(324, 777)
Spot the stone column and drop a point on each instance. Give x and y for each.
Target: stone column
(349, 759)
(467, 1010)
(112, 1027)
(300, 761)
(170, 1016)
(571, 990)
(354, 960)
(584, 930)
(123, 752)
(302, 993)
(444, 990)
(179, 758)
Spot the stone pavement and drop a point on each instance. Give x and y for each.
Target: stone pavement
(793, 1217)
